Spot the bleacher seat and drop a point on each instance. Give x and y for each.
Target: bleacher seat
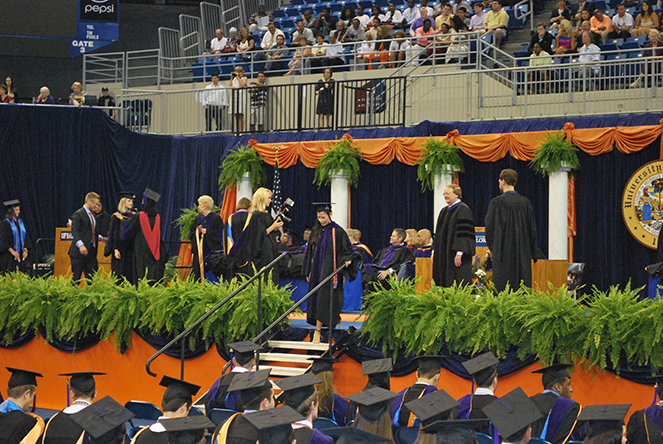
(515, 23)
(367, 4)
(600, 4)
(298, 2)
(279, 13)
(288, 23)
(639, 40)
(322, 423)
(631, 45)
(618, 42)
(145, 412)
(293, 12)
(608, 47)
(336, 7)
(220, 416)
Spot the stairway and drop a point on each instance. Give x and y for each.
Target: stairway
(296, 358)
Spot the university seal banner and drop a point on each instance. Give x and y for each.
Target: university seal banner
(642, 203)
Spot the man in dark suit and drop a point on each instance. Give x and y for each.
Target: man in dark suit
(83, 250)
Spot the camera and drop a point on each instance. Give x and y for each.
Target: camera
(283, 209)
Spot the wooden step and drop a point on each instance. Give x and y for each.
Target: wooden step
(298, 345)
(283, 371)
(287, 357)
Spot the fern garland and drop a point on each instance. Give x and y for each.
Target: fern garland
(243, 160)
(554, 153)
(341, 157)
(437, 157)
(187, 218)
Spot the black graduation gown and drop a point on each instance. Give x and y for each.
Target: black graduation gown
(511, 237)
(7, 262)
(476, 403)
(454, 232)
(402, 256)
(147, 436)
(642, 430)
(14, 426)
(123, 267)
(212, 240)
(259, 248)
(61, 429)
(145, 264)
(318, 304)
(399, 410)
(240, 431)
(222, 391)
(545, 403)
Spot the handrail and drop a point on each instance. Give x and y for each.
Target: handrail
(207, 315)
(530, 12)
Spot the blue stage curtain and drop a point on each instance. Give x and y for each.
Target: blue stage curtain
(72, 345)
(19, 340)
(199, 348)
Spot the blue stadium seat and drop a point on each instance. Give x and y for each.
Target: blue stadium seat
(279, 13)
(324, 423)
(631, 45)
(639, 40)
(298, 2)
(293, 12)
(608, 47)
(367, 4)
(514, 23)
(618, 42)
(288, 23)
(220, 416)
(600, 4)
(145, 412)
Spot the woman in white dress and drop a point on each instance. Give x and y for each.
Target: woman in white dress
(238, 104)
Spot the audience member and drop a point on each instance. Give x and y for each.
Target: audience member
(539, 57)
(302, 30)
(461, 13)
(106, 99)
(601, 24)
(561, 16)
(645, 21)
(308, 19)
(246, 44)
(459, 4)
(275, 54)
(373, 29)
(424, 36)
(587, 27)
(326, 22)
(428, 377)
(341, 29)
(332, 405)
(232, 41)
(319, 54)
(424, 5)
(44, 97)
(576, 9)
(218, 43)
(398, 49)
(77, 96)
(393, 17)
(622, 24)
(364, 19)
(347, 14)
(652, 54)
(584, 17)
(410, 14)
(355, 33)
(476, 22)
(214, 98)
(445, 17)
(543, 38)
(300, 62)
(376, 13)
(374, 413)
(563, 43)
(259, 20)
(366, 51)
(419, 23)
(11, 89)
(4, 96)
(334, 52)
(258, 92)
(269, 39)
(483, 370)
(498, 20)
(238, 81)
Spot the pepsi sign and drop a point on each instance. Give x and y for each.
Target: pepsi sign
(98, 10)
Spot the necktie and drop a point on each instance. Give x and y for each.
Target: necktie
(92, 224)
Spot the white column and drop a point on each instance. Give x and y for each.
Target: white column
(244, 188)
(558, 192)
(439, 185)
(339, 197)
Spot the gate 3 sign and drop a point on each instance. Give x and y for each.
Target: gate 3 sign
(642, 203)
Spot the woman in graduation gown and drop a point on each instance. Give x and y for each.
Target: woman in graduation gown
(120, 251)
(329, 248)
(13, 236)
(210, 228)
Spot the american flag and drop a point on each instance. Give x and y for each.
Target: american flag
(277, 199)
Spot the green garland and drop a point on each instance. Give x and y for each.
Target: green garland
(604, 328)
(244, 159)
(342, 156)
(436, 156)
(553, 153)
(68, 312)
(186, 220)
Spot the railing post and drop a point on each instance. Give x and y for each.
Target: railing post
(182, 359)
(259, 320)
(331, 308)
(300, 109)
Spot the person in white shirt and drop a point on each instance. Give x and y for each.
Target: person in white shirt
(476, 22)
(590, 54)
(218, 42)
(622, 23)
(302, 31)
(458, 4)
(366, 51)
(398, 49)
(410, 14)
(269, 39)
(424, 5)
(214, 98)
(364, 19)
(393, 16)
(334, 51)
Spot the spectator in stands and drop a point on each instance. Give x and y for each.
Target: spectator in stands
(584, 17)
(44, 97)
(410, 14)
(590, 55)
(543, 38)
(258, 93)
(308, 19)
(334, 52)
(622, 24)
(302, 30)
(498, 20)
(652, 67)
(398, 49)
(393, 17)
(424, 5)
(246, 44)
(424, 36)
(106, 100)
(319, 51)
(218, 42)
(238, 81)
(376, 12)
(364, 19)
(341, 29)
(355, 33)
(276, 53)
(419, 23)
(445, 17)
(539, 57)
(487, 5)
(645, 21)
(232, 42)
(77, 96)
(326, 22)
(601, 24)
(576, 9)
(476, 22)
(458, 46)
(382, 45)
(373, 29)
(457, 5)
(269, 39)
(565, 44)
(561, 16)
(461, 13)
(347, 14)
(214, 98)
(4, 96)
(366, 52)
(587, 27)
(324, 89)
(300, 62)
(11, 89)
(259, 20)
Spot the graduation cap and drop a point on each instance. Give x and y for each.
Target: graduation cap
(244, 351)
(320, 365)
(22, 377)
(482, 367)
(512, 413)
(323, 206)
(375, 366)
(446, 425)
(274, 423)
(82, 381)
(553, 373)
(187, 430)
(373, 402)
(432, 407)
(152, 195)
(177, 388)
(603, 418)
(11, 204)
(251, 384)
(297, 389)
(351, 435)
(127, 194)
(102, 417)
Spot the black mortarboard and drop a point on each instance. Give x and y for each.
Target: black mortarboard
(482, 367)
(373, 402)
(432, 407)
(275, 423)
(351, 435)
(603, 418)
(373, 366)
(152, 195)
(322, 206)
(102, 417)
(512, 413)
(127, 194)
(320, 365)
(177, 388)
(244, 351)
(190, 429)
(436, 426)
(82, 381)
(251, 384)
(553, 372)
(22, 377)
(297, 389)
(104, 88)
(11, 204)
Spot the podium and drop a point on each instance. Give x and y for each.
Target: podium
(63, 239)
(545, 271)
(423, 268)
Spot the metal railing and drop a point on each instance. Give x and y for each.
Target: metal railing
(191, 36)
(210, 15)
(232, 15)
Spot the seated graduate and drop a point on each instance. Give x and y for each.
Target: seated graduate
(483, 370)
(188, 430)
(244, 358)
(389, 260)
(15, 422)
(605, 423)
(358, 247)
(61, 429)
(512, 416)
(428, 376)
(299, 393)
(255, 394)
(373, 412)
(351, 435)
(273, 426)
(645, 426)
(378, 372)
(330, 404)
(458, 431)
(103, 421)
(560, 412)
(429, 409)
(209, 226)
(176, 403)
